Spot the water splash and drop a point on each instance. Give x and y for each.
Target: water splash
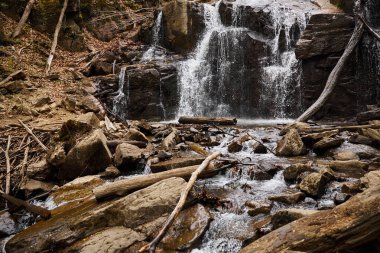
(120, 102)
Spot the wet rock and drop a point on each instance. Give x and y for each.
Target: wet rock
(44, 109)
(327, 143)
(346, 156)
(259, 148)
(293, 171)
(56, 156)
(258, 174)
(350, 168)
(290, 145)
(326, 204)
(39, 170)
(360, 139)
(290, 199)
(144, 126)
(128, 156)
(176, 163)
(8, 225)
(340, 198)
(111, 240)
(91, 155)
(163, 155)
(110, 172)
(314, 184)
(310, 139)
(351, 187)
(316, 39)
(371, 179)
(286, 216)
(234, 147)
(255, 208)
(79, 188)
(188, 229)
(74, 224)
(89, 118)
(134, 135)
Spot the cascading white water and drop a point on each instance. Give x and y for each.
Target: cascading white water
(283, 75)
(150, 54)
(197, 74)
(213, 80)
(120, 102)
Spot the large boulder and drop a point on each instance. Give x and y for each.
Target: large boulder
(91, 155)
(135, 135)
(327, 143)
(79, 222)
(128, 156)
(291, 144)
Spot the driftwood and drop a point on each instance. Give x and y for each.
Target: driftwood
(152, 246)
(340, 129)
(9, 78)
(55, 39)
(34, 137)
(23, 19)
(350, 224)
(334, 75)
(370, 29)
(44, 213)
(123, 187)
(207, 120)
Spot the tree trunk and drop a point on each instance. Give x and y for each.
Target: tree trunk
(23, 19)
(334, 75)
(123, 187)
(207, 120)
(55, 39)
(370, 29)
(350, 224)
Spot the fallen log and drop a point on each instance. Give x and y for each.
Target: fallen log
(339, 129)
(368, 115)
(123, 187)
(207, 120)
(55, 38)
(44, 213)
(350, 224)
(335, 73)
(152, 246)
(23, 19)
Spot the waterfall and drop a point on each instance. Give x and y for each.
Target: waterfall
(216, 81)
(120, 102)
(151, 53)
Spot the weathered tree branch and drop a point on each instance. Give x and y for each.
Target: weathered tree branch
(334, 75)
(370, 29)
(152, 246)
(8, 164)
(34, 137)
(55, 39)
(23, 19)
(9, 78)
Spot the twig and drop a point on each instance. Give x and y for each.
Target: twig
(25, 161)
(10, 77)
(34, 137)
(8, 162)
(220, 129)
(152, 246)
